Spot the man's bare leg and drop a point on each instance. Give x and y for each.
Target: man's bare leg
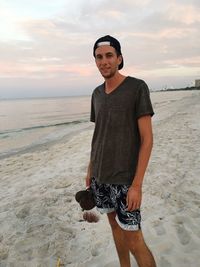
(139, 249)
(121, 246)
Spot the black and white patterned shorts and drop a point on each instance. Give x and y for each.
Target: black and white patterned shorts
(112, 197)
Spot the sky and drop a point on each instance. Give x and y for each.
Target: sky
(46, 46)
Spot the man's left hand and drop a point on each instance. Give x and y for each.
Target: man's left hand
(134, 198)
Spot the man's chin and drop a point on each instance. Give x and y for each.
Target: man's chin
(108, 75)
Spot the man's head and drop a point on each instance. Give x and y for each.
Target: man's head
(110, 41)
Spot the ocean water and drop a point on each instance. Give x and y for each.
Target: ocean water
(29, 123)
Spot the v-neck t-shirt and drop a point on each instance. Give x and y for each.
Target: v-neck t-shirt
(116, 139)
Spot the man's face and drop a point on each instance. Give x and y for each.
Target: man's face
(107, 61)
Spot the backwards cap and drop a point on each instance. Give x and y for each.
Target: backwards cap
(109, 40)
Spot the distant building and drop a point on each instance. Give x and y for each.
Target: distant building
(197, 83)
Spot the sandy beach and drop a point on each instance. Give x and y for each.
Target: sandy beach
(40, 221)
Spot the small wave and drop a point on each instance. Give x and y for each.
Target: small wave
(5, 134)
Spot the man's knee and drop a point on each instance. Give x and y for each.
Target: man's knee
(134, 240)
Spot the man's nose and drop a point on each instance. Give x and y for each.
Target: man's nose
(104, 60)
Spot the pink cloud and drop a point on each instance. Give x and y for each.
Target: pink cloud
(192, 61)
(11, 69)
(186, 14)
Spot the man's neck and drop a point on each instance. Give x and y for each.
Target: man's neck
(114, 82)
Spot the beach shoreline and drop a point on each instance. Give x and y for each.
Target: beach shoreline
(41, 221)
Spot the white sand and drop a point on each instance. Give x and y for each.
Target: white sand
(41, 222)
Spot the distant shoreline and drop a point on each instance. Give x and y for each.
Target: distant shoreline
(178, 89)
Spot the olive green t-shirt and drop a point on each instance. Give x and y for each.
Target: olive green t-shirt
(116, 138)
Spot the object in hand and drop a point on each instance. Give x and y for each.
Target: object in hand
(85, 199)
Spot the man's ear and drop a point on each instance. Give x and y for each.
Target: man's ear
(119, 59)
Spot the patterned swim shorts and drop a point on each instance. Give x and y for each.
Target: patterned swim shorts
(112, 197)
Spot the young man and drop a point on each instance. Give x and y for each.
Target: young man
(121, 147)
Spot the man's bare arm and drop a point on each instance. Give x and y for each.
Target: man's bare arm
(134, 195)
(88, 176)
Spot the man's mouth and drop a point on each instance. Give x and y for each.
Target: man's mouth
(105, 69)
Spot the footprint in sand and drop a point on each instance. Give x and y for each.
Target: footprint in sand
(112, 264)
(194, 213)
(158, 226)
(4, 251)
(190, 223)
(182, 234)
(22, 212)
(1, 238)
(164, 262)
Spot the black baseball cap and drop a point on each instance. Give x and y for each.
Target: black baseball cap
(109, 40)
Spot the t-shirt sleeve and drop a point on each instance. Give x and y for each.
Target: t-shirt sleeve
(92, 111)
(143, 101)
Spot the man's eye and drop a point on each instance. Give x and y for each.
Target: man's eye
(99, 57)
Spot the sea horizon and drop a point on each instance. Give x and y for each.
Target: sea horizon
(89, 95)
(40, 97)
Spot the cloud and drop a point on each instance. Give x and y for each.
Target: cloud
(186, 14)
(158, 38)
(42, 69)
